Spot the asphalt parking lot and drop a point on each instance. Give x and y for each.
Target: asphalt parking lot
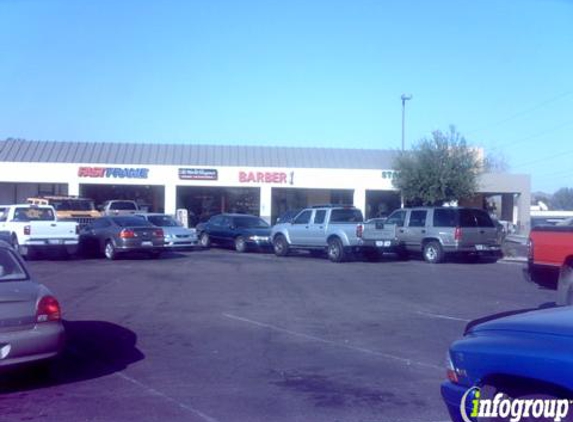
(216, 336)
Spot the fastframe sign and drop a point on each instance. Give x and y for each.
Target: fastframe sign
(113, 172)
(198, 174)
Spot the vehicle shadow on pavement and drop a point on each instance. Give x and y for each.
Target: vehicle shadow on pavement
(93, 349)
(134, 256)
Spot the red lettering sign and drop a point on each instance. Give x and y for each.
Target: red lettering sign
(91, 172)
(265, 177)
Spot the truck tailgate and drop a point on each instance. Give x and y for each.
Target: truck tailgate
(52, 230)
(379, 231)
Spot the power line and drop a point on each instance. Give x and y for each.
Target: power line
(523, 112)
(545, 158)
(537, 135)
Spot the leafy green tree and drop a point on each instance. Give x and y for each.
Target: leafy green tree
(437, 170)
(562, 199)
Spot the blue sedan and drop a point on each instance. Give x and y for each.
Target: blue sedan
(521, 357)
(242, 231)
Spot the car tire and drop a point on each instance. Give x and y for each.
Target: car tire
(205, 240)
(280, 245)
(335, 250)
(240, 244)
(109, 251)
(433, 252)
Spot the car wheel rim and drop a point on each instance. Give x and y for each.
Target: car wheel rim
(431, 253)
(240, 244)
(333, 251)
(108, 250)
(278, 246)
(204, 240)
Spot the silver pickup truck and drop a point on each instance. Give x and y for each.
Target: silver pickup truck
(338, 230)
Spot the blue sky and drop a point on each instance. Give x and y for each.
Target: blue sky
(294, 73)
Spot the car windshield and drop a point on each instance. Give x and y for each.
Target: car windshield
(250, 223)
(10, 268)
(72, 204)
(288, 216)
(163, 221)
(123, 206)
(131, 221)
(34, 214)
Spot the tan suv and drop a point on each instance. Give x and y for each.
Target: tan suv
(440, 231)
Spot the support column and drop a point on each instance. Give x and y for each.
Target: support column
(73, 189)
(523, 213)
(359, 200)
(266, 203)
(507, 207)
(170, 199)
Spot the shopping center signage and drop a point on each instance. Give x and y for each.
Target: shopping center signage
(198, 174)
(389, 174)
(113, 172)
(275, 177)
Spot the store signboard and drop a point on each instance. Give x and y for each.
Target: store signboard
(274, 177)
(198, 174)
(114, 172)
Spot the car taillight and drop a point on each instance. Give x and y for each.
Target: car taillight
(458, 234)
(48, 310)
(359, 230)
(127, 234)
(27, 230)
(158, 233)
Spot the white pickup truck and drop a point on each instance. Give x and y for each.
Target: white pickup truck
(35, 228)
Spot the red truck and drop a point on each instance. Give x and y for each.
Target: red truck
(550, 260)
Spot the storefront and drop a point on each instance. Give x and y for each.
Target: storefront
(205, 180)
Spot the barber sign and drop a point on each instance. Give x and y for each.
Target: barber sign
(267, 177)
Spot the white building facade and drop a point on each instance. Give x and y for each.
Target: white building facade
(206, 180)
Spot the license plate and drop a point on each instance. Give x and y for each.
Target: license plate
(146, 243)
(481, 247)
(55, 241)
(383, 243)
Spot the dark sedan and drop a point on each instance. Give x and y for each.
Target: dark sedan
(241, 231)
(117, 235)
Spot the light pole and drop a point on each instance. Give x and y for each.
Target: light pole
(404, 99)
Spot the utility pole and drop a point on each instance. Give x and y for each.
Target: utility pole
(404, 99)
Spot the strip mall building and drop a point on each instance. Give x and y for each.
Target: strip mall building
(206, 180)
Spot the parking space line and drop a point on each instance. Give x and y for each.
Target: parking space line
(154, 392)
(440, 316)
(405, 361)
